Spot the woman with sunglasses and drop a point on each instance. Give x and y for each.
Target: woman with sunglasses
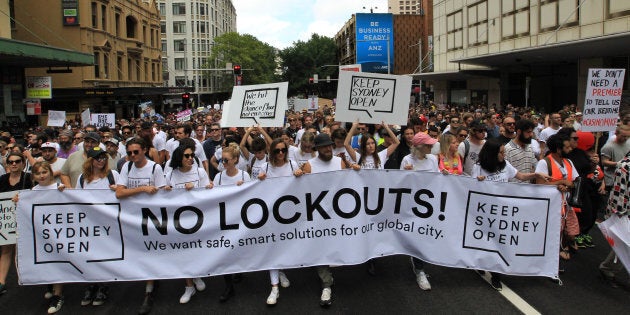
(279, 165)
(97, 175)
(15, 179)
(187, 174)
(231, 175)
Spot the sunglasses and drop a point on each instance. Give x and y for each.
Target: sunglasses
(224, 160)
(509, 124)
(127, 132)
(462, 135)
(101, 158)
(14, 161)
(283, 150)
(214, 129)
(134, 152)
(78, 138)
(454, 121)
(189, 155)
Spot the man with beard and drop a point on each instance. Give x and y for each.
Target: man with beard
(66, 147)
(519, 150)
(509, 130)
(324, 162)
(49, 154)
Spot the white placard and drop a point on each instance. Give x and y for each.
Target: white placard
(263, 104)
(8, 222)
(86, 117)
(372, 98)
(616, 230)
(100, 120)
(339, 218)
(313, 103)
(56, 118)
(603, 98)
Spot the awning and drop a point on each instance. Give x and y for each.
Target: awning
(569, 52)
(30, 55)
(456, 75)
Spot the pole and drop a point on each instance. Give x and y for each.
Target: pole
(388, 60)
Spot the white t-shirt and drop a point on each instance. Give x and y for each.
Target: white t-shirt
(546, 133)
(369, 162)
(318, 165)
(285, 170)
(343, 150)
(196, 175)
(159, 143)
(503, 176)
(98, 183)
(256, 168)
(47, 187)
(301, 157)
(473, 155)
(57, 167)
(429, 163)
(2, 171)
(223, 179)
(145, 176)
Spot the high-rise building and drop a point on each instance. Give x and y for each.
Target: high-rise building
(407, 6)
(188, 29)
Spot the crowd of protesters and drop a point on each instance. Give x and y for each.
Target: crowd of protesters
(511, 144)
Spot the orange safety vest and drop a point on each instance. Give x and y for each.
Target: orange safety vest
(556, 174)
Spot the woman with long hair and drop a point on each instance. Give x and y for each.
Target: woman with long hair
(15, 179)
(492, 166)
(278, 165)
(449, 160)
(367, 157)
(187, 174)
(305, 150)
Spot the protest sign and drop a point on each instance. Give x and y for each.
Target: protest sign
(316, 219)
(86, 117)
(262, 104)
(603, 98)
(7, 218)
(184, 115)
(100, 120)
(33, 106)
(372, 98)
(616, 230)
(56, 118)
(313, 103)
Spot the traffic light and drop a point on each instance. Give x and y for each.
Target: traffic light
(186, 98)
(237, 69)
(310, 80)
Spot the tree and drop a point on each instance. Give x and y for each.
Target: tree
(316, 56)
(248, 52)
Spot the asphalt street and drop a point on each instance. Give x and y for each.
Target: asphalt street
(392, 290)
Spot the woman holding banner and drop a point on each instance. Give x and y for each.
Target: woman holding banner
(231, 175)
(279, 165)
(492, 166)
(367, 156)
(15, 179)
(188, 175)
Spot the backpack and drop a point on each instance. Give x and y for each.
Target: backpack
(466, 149)
(110, 178)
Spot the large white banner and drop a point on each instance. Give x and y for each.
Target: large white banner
(7, 218)
(373, 98)
(318, 219)
(616, 230)
(262, 104)
(603, 98)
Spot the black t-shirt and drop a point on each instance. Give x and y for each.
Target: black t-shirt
(24, 183)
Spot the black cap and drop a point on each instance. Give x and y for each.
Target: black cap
(95, 152)
(146, 125)
(322, 140)
(93, 135)
(478, 125)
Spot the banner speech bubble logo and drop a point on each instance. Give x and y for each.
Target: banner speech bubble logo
(371, 95)
(77, 233)
(494, 224)
(260, 103)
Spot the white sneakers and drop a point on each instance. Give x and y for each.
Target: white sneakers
(423, 282)
(199, 284)
(284, 281)
(273, 296)
(326, 299)
(190, 291)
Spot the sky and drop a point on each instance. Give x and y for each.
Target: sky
(280, 23)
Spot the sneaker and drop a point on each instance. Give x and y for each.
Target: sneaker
(190, 291)
(422, 281)
(588, 241)
(147, 304)
(89, 295)
(273, 296)
(101, 296)
(199, 284)
(496, 284)
(326, 299)
(284, 281)
(56, 302)
(580, 241)
(3, 288)
(48, 293)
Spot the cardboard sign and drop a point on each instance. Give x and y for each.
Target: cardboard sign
(56, 118)
(86, 118)
(100, 120)
(184, 115)
(372, 98)
(262, 104)
(603, 98)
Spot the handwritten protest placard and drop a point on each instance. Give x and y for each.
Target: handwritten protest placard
(100, 120)
(603, 97)
(184, 115)
(372, 97)
(262, 104)
(8, 224)
(56, 118)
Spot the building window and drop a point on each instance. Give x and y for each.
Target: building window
(94, 15)
(162, 9)
(146, 71)
(179, 8)
(180, 81)
(179, 63)
(119, 65)
(566, 12)
(179, 27)
(106, 66)
(478, 24)
(164, 46)
(144, 33)
(129, 69)
(97, 65)
(117, 18)
(138, 70)
(202, 27)
(131, 26)
(179, 45)
(163, 27)
(104, 17)
(515, 19)
(454, 31)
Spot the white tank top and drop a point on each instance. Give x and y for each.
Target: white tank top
(319, 166)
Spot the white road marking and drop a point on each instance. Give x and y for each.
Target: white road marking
(513, 298)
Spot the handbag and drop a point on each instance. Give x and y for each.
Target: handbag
(575, 196)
